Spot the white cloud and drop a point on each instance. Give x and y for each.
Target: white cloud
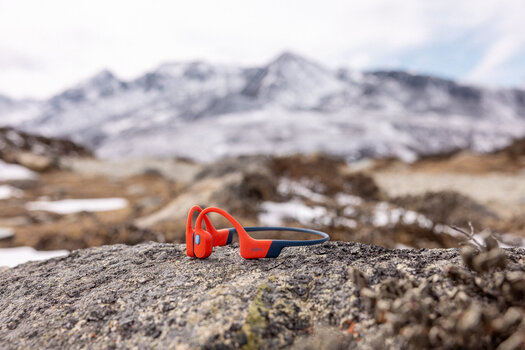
(508, 40)
(497, 54)
(48, 45)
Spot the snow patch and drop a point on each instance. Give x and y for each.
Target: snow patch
(15, 172)
(347, 199)
(274, 214)
(6, 232)
(7, 192)
(19, 255)
(345, 222)
(68, 206)
(290, 187)
(349, 211)
(385, 215)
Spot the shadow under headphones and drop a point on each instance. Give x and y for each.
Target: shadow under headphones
(200, 242)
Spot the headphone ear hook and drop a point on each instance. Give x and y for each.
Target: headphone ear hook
(250, 248)
(190, 230)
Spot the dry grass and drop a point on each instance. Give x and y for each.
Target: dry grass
(503, 193)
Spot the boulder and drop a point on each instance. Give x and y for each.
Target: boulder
(447, 207)
(346, 295)
(35, 162)
(37, 152)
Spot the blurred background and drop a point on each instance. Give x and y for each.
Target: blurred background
(376, 121)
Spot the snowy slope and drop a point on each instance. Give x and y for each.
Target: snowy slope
(14, 112)
(291, 104)
(277, 131)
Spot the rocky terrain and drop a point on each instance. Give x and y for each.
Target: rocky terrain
(337, 295)
(37, 152)
(383, 202)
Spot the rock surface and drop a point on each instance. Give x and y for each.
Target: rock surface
(153, 296)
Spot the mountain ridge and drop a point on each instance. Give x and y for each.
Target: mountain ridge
(372, 113)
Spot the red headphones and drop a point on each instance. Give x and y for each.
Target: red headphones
(200, 242)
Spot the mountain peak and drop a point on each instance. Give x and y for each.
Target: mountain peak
(294, 81)
(289, 57)
(103, 77)
(102, 84)
(105, 74)
(192, 69)
(173, 68)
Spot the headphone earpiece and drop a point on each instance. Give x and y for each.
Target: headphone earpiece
(202, 244)
(203, 237)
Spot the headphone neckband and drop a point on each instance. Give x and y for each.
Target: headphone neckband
(278, 244)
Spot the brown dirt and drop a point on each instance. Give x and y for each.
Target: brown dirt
(502, 193)
(447, 207)
(471, 163)
(320, 168)
(158, 204)
(48, 231)
(330, 172)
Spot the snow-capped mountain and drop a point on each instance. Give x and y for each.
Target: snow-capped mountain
(291, 104)
(17, 111)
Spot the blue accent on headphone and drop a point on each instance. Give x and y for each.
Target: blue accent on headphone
(230, 236)
(278, 244)
(193, 245)
(197, 239)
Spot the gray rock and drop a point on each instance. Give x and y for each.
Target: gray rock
(153, 296)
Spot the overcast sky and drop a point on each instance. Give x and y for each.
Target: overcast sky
(48, 45)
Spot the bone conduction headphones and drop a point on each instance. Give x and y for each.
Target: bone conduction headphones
(200, 242)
